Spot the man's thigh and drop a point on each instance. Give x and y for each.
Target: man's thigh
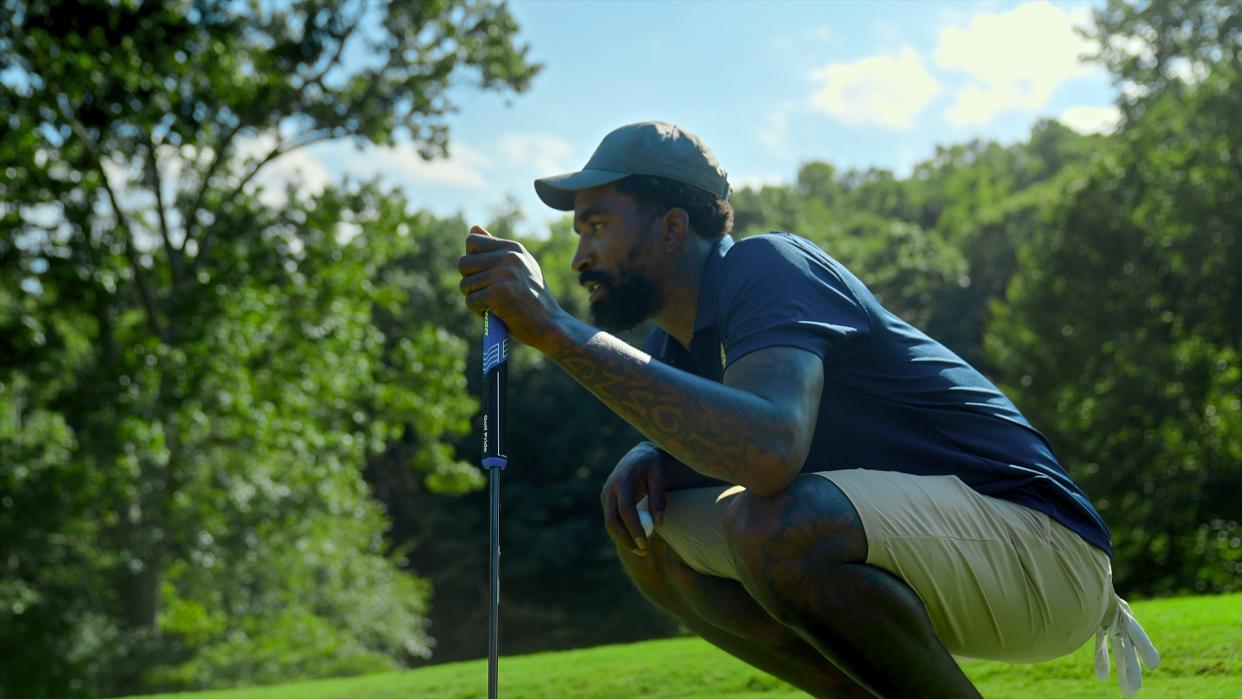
(694, 527)
(999, 580)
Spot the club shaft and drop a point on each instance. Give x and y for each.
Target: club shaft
(493, 620)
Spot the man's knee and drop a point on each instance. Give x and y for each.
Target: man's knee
(809, 525)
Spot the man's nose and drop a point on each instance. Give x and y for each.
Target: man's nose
(583, 259)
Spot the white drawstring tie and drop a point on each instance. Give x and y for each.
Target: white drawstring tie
(1129, 643)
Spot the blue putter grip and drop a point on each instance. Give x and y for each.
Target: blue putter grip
(495, 389)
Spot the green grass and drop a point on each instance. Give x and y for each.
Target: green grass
(1199, 638)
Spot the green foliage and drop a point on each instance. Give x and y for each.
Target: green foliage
(49, 570)
(1158, 49)
(315, 598)
(192, 380)
(236, 435)
(1120, 332)
(288, 388)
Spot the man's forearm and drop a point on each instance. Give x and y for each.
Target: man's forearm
(721, 432)
(682, 476)
(679, 475)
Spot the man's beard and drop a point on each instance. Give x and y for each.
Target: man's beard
(625, 305)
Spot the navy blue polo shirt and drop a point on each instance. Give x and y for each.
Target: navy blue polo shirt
(894, 399)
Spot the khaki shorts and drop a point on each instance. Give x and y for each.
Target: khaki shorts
(999, 580)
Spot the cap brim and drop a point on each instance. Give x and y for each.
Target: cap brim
(558, 191)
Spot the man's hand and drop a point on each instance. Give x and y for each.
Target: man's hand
(640, 472)
(501, 276)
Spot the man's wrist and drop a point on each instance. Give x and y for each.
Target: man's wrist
(558, 334)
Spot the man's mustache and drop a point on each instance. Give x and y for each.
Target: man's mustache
(591, 275)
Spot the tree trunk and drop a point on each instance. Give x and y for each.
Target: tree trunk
(140, 596)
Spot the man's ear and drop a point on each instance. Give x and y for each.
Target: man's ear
(676, 228)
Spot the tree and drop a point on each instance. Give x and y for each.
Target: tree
(203, 373)
(1159, 48)
(818, 180)
(1120, 329)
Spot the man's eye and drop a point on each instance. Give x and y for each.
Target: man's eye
(596, 226)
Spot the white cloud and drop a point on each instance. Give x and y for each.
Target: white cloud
(543, 153)
(1090, 119)
(473, 179)
(887, 90)
(467, 167)
(401, 164)
(299, 168)
(1015, 59)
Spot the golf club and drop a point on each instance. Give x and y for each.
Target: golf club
(495, 360)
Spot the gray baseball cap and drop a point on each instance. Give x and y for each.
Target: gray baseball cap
(645, 148)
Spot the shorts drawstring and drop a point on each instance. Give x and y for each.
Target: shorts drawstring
(1129, 643)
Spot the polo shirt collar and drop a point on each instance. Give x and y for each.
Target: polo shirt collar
(705, 310)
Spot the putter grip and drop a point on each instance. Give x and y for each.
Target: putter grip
(495, 380)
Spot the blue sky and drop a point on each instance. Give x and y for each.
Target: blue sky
(768, 85)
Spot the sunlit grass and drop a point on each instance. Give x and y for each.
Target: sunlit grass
(1199, 638)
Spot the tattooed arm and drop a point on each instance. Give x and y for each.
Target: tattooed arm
(682, 476)
(753, 430)
(679, 475)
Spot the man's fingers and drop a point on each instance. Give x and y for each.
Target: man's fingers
(482, 242)
(481, 280)
(655, 495)
(618, 533)
(628, 512)
(473, 282)
(612, 522)
(481, 271)
(481, 261)
(479, 301)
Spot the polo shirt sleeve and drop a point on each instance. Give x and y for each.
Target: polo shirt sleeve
(654, 343)
(776, 293)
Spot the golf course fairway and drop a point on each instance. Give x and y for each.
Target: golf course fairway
(1199, 639)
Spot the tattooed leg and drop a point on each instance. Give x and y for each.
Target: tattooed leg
(726, 616)
(801, 554)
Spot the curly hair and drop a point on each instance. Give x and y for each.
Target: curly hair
(711, 216)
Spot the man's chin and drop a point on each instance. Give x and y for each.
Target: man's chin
(619, 308)
(612, 320)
